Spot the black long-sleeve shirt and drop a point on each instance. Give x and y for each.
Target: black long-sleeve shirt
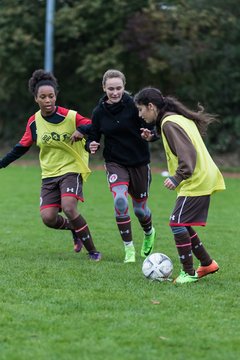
(120, 125)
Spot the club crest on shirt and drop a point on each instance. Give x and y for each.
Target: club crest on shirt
(112, 178)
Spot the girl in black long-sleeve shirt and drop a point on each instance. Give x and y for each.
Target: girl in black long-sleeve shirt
(126, 157)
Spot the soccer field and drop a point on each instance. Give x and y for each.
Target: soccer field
(55, 304)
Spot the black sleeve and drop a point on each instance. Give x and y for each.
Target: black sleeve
(13, 155)
(84, 129)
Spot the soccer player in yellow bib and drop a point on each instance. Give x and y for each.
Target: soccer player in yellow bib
(64, 163)
(192, 172)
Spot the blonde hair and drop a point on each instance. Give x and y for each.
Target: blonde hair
(112, 73)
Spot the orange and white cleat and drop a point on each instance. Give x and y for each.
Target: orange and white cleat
(206, 270)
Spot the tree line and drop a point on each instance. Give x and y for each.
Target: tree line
(190, 49)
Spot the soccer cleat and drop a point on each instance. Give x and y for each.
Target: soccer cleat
(95, 256)
(206, 270)
(129, 254)
(77, 243)
(148, 243)
(184, 278)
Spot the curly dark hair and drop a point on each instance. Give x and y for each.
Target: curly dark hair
(169, 104)
(41, 77)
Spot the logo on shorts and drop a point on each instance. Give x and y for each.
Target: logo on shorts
(172, 217)
(112, 178)
(70, 190)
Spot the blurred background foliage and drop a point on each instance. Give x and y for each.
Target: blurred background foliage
(188, 48)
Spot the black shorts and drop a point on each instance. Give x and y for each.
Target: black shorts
(137, 179)
(53, 189)
(190, 211)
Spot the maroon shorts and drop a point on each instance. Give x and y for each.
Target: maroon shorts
(137, 179)
(190, 211)
(53, 189)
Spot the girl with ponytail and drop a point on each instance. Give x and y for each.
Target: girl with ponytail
(192, 173)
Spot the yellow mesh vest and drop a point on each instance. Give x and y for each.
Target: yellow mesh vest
(57, 155)
(206, 177)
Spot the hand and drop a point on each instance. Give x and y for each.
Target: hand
(169, 184)
(146, 134)
(76, 136)
(93, 147)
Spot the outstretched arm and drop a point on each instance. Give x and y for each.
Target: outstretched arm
(83, 126)
(23, 146)
(13, 155)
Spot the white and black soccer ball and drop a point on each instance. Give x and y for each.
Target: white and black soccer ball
(158, 267)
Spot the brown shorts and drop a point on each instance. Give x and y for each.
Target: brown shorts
(137, 179)
(53, 189)
(190, 211)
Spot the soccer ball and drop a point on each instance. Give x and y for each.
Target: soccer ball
(158, 267)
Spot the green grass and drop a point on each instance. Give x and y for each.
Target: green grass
(55, 304)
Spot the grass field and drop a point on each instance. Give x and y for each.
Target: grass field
(55, 304)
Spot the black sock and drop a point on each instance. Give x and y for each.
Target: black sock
(184, 248)
(198, 249)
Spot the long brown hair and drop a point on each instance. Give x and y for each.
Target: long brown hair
(169, 104)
